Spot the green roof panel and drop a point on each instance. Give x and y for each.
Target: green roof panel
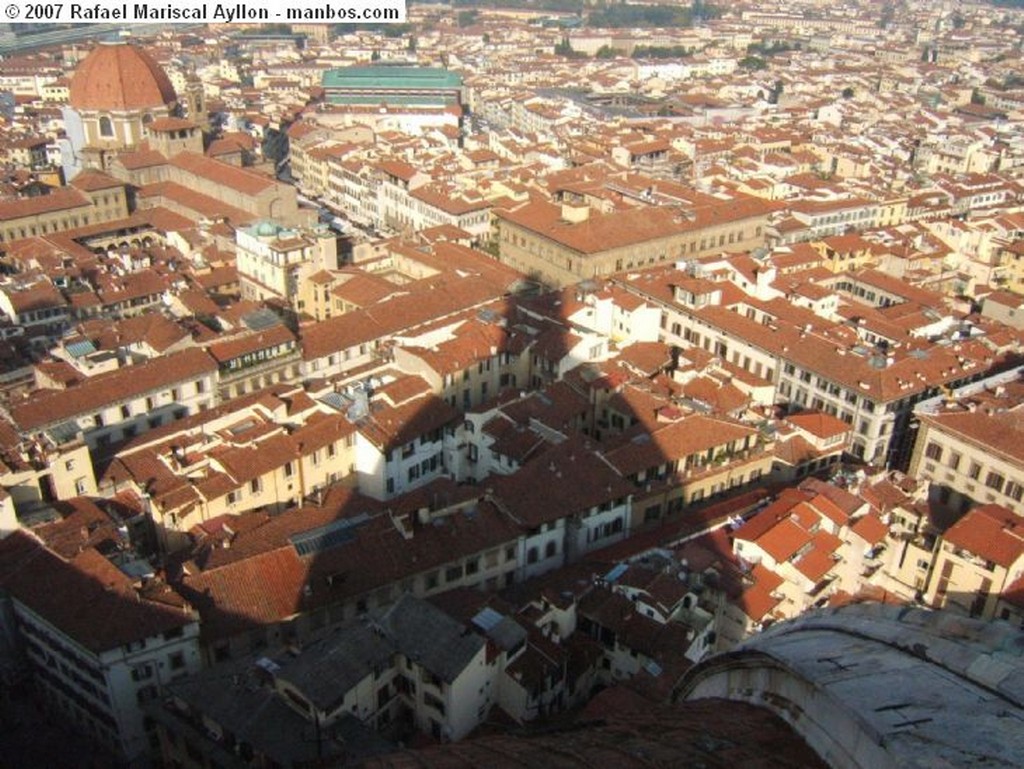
(385, 78)
(388, 99)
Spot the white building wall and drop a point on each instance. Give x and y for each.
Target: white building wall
(598, 528)
(104, 684)
(147, 411)
(469, 697)
(409, 467)
(166, 659)
(339, 362)
(543, 550)
(370, 466)
(591, 348)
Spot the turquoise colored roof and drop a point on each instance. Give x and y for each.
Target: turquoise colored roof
(264, 229)
(391, 78)
(389, 98)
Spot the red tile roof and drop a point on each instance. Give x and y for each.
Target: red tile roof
(239, 179)
(1001, 434)
(604, 232)
(819, 424)
(114, 387)
(227, 350)
(95, 180)
(871, 529)
(62, 199)
(991, 532)
(119, 77)
(783, 540)
(227, 584)
(86, 597)
(568, 478)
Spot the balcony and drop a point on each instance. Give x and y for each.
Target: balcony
(255, 368)
(718, 466)
(431, 682)
(709, 468)
(434, 702)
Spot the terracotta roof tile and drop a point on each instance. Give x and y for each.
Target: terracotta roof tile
(98, 391)
(991, 532)
(106, 612)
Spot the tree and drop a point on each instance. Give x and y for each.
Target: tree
(701, 11)
(396, 31)
(467, 18)
(752, 63)
(848, 92)
(375, 56)
(607, 52)
(411, 46)
(618, 16)
(661, 51)
(770, 49)
(565, 48)
(888, 13)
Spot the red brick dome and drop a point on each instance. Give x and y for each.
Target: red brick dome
(119, 77)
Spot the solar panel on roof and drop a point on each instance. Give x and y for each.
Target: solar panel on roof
(336, 401)
(325, 537)
(80, 349)
(260, 320)
(64, 432)
(487, 618)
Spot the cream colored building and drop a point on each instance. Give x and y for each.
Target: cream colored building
(980, 556)
(971, 457)
(1011, 259)
(266, 452)
(92, 198)
(36, 473)
(687, 459)
(116, 406)
(563, 245)
(273, 261)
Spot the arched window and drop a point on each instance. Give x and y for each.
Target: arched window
(550, 549)
(106, 127)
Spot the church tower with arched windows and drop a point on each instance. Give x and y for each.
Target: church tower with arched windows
(120, 98)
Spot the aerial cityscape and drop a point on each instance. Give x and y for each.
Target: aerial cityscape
(524, 383)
